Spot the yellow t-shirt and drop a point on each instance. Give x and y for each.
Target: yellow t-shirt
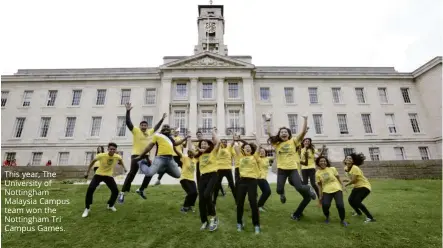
(362, 181)
(224, 158)
(188, 168)
(97, 163)
(208, 162)
(328, 179)
(107, 163)
(179, 148)
(287, 157)
(164, 144)
(249, 166)
(236, 157)
(311, 158)
(264, 167)
(140, 140)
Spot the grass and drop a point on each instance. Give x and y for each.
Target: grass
(408, 214)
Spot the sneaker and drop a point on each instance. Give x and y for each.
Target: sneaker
(257, 230)
(327, 221)
(184, 210)
(261, 209)
(157, 183)
(141, 193)
(204, 226)
(368, 220)
(85, 213)
(355, 214)
(283, 198)
(113, 209)
(345, 224)
(296, 218)
(213, 224)
(99, 186)
(312, 192)
(121, 198)
(240, 227)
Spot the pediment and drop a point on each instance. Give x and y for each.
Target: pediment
(206, 60)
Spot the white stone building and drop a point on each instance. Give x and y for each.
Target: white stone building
(63, 114)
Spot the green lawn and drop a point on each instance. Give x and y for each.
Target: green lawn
(408, 214)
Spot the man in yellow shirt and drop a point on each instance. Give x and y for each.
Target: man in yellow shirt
(140, 138)
(107, 162)
(179, 148)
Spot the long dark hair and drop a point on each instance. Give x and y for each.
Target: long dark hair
(252, 145)
(311, 146)
(357, 159)
(100, 149)
(317, 161)
(208, 150)
(274, 140)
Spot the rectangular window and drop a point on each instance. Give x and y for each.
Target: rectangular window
(45, 122)
(382, 94)
(52, 96)
(366, 119)
(399, 153)
(424, 152)
(37, 158)
(414, 123)
(76, 97)
(234, 119)
(125, 96)
(348, 151)
(63, 158)
(343, 123)
(318, 122)
(360, 93)
(405, 94)
(89, 157)
(293, 123)
(181, 91)
(207, 91)
(5, 95)
(390, 123)
(313, 96)
(121, 126)
(101, 97)
(233, 91)
(70, 126)
(374, 153)
(95, 127)
(10, 156)
(207, 121)
(289, 95)
(149, 119)
(27, 96)
(265, 95)
(150, 97)
(336, 95)
(180, 120)
(19, 126)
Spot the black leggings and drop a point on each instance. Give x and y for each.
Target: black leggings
(309, 173)
(228, 174)
(247, 186)
(205, 191)
(132, 172)
(326, 203)
(236, 176)
(96, 180)
(191, 192)
(265, 191)
(356, 198)
(179, 163)
(197, 173)
(294, 178)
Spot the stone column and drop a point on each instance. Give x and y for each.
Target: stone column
(221, 124)
(165, 99)
(248, 97)
(193, 93)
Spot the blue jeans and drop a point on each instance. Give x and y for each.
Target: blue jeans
(161, 164)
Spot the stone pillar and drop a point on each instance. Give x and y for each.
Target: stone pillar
(193, 93)
(221, 124)
(165, 99)
(248, 97)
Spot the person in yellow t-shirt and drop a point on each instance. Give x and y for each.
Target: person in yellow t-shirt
(247, 185)
(307, 162)
(224, 169)
(104, 173)
(287, 157)
(207, 158)
(362, 187)
(140, 138)
(179, 148)
(330, 187)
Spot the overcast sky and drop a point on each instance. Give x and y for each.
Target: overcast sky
(96, 33)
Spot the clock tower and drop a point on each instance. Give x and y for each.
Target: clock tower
(211, 29)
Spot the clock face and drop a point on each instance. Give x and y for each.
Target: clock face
(210, 27)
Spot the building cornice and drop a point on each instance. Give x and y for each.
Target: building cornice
(426, 67)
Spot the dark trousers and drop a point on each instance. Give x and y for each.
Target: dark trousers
(327, 200)
(191, 192)
(265, 191)
(309, 174)
(247, 186)
(95, 169)
(131, 175)
(197, 173)
(294, 178)
(356, 198)
(96, 180)
(220, 174)
(236, 176)
(179, 163)
(205, 191)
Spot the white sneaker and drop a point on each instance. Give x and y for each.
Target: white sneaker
(157, 183)
(85, 213)
(261, 209)
(112, 208)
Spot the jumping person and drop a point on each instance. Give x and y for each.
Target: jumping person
(235, 158)
(247, 185)
(285, 145)
(362, 187)
(262, 181)
(330, 187)
(104, 174)
(196, 147)
(140, 139)
(307, 161)
(179, 148)
(187, 178)
(224, 168)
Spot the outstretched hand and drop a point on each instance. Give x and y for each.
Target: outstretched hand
(164, 115)
(128, 106)
(86, 175)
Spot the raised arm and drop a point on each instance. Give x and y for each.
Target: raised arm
(177, 143)
(257, 142)
(320, 153)
(215, 139)
(159, 124)
(304, 129)
(268, 124)
(237, 149)
(128, 116)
